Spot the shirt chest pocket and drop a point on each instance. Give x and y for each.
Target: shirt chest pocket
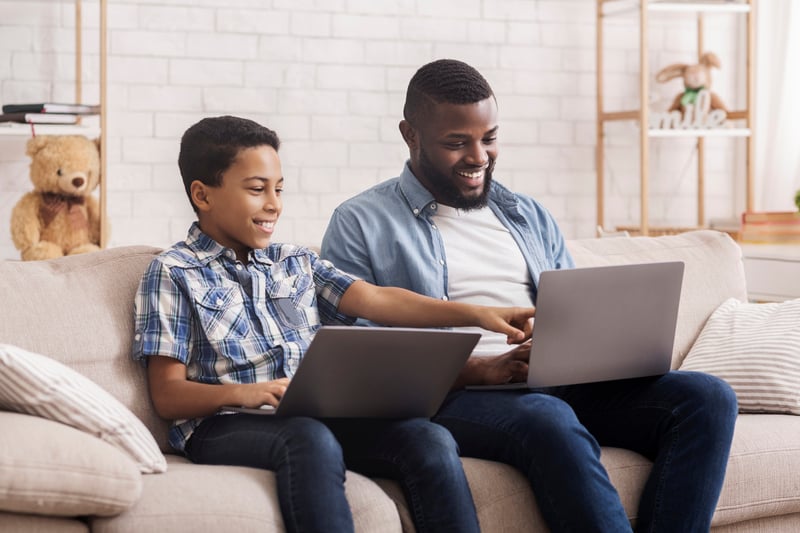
(293, 300)
(221, 312)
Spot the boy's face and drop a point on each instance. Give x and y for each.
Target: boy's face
(453, 152)
(241, 213)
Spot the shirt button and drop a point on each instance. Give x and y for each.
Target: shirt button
(433, 207)
(433, 226)
(444, 298)
(219, 301)
(137, 336)
(239, 266)
(416, 211)
(294, 290)
(441, 262)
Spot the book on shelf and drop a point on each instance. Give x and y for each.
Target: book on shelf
(773, 227)
(770, 217)
(39, 118)
(49, 107)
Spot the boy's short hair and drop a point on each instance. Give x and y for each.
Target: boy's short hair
(210, 147)
(443, 81)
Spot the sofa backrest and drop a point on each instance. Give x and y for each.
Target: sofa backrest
(713, 272)
(79, 311)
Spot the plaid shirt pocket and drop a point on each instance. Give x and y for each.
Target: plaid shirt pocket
(221, 312)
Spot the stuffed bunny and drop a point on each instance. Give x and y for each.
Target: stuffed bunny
(695, 78)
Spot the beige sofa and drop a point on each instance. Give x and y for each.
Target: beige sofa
(78, 311)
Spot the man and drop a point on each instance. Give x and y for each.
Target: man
(444, 228)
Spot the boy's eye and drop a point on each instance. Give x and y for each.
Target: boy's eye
(278, 191)
(490, 140)
(257, 189)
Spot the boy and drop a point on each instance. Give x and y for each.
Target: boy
(225, 317)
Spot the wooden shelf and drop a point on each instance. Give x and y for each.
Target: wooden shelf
(743, 129)
(717, 132)
(620, 7)
(26, 130)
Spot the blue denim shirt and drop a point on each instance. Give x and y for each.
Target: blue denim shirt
(386, 235)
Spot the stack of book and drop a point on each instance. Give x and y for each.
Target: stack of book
(46, 113)
(771, 227)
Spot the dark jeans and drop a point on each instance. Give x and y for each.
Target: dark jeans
(682, 421)
(309, 458)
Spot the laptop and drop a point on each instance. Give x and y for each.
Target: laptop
(603, 323)
(374, 372)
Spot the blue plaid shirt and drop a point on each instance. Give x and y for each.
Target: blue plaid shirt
(231, 322)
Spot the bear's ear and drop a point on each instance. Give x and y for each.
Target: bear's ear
(36, 144)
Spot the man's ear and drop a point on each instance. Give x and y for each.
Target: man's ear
(199, 194)
(410, 135)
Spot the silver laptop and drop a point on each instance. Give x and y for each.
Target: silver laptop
(374, 372)
(603, 323)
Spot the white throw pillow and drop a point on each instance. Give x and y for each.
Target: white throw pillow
(37, 385)
(756, 349)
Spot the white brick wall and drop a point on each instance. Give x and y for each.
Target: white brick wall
(330, 77)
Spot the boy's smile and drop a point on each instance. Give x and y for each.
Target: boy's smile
(242, 211)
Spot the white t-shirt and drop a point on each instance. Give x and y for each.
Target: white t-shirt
(484, 266)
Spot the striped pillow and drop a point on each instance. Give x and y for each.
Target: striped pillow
(756, 349)
(37, 385)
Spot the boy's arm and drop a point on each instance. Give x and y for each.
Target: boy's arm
(175, 397)
(398, 307)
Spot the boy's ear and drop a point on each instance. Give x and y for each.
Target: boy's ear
(199, 194)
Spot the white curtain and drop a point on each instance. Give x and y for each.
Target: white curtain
(777, 106)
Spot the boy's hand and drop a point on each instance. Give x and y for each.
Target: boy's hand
(515, 322)
(269, 393)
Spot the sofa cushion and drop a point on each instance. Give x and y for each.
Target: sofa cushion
(213, 498)
(78, 310)
(761, 479)
(37, 385)
(756, 349)
(47, 468)
(703, 252)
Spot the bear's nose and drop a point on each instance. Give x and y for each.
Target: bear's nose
(77, 182)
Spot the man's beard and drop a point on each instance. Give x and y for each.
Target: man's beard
(446, 191)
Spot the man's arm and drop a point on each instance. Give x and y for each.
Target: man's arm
(175, 397)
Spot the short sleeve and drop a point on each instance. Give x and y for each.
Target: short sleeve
(331, 284)
(162, 314)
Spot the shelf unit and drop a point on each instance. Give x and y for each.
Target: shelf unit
(608, 8)
(26, 130)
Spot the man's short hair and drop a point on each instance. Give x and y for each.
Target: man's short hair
(210, 147)
(443, 81)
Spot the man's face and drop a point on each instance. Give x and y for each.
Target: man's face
(241, 213)
(453, 151)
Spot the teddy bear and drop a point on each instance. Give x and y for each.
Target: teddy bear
(60, 216)
(695, 79)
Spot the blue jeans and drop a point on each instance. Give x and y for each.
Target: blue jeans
(310, 456)
(682, 421)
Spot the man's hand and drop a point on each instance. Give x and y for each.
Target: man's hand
(510, 367)
(515, 322)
